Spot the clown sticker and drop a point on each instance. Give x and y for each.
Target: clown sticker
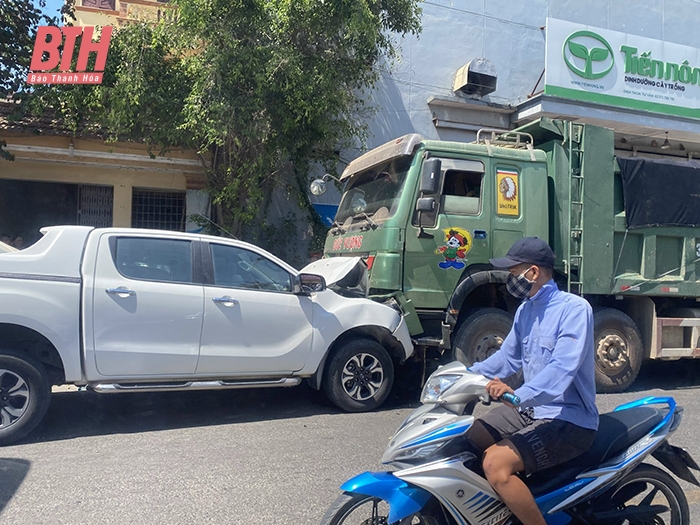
(458, 243)
(508, 202)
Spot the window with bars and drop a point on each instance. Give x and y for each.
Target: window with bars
(100, 4)
(158, 210)
(95, 205)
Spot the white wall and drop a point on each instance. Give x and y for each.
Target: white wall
(508, 33)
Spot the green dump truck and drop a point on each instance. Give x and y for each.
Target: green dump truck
(625, 227)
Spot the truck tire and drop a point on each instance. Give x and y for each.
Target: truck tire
(618, 350)
(481, 334)
(359, 376)
(25, 394)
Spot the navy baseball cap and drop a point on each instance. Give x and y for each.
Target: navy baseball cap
(527, 250)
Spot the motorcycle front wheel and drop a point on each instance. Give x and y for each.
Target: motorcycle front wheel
(358, 509)
(646, 495)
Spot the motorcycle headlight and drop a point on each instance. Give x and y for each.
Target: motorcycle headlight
(436, 386)
(420, 452)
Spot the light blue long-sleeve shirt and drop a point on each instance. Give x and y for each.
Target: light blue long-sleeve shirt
(552, 341)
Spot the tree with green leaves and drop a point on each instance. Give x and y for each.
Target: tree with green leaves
(260, 89)
(19, 20)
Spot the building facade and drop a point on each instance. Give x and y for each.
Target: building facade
(522, 45)
(61, 178)
(477, 64)
(117, 12)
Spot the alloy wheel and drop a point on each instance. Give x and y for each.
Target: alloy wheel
(362, 376)
(14, 398)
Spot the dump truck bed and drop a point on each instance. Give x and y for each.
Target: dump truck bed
(598, 248)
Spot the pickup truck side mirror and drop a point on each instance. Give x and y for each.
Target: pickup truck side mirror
(310, 283)
(430, 177)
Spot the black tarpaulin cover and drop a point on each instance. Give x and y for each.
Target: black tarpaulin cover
(660, 192)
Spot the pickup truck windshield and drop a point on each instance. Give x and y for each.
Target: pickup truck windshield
(373, 190)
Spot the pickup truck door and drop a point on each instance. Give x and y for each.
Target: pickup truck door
(147, 310)
(253, 323)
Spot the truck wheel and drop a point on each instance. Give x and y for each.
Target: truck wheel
(25, 394)
(481, 334)
(618, 350)
(359, 376)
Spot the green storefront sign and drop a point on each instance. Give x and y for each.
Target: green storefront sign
(619, 69)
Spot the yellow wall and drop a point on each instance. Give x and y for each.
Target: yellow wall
(123, 166)
(124, 10)
(48, 159)
(90, 18)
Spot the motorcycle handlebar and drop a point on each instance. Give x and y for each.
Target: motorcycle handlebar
(511, 398)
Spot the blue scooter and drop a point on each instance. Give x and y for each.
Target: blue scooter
(438, 481)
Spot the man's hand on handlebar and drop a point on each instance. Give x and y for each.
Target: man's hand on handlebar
(496, 388)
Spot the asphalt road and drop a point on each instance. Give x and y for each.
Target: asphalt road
(254, 457)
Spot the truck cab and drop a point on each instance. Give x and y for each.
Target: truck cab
(623, 223)
(428, 215)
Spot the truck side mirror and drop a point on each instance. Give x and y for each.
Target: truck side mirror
(425, 204)
(430, 177)
(318, 186)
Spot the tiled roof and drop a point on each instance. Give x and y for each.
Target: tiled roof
(46, 124)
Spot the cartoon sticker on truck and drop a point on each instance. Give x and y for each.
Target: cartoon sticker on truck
(458, 242)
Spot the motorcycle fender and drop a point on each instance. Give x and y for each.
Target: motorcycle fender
(404, 499)
(678, 461)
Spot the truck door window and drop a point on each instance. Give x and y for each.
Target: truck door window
(239, 268)
(461, 192)
(168, 260)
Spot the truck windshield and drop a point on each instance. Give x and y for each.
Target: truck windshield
(376, 191)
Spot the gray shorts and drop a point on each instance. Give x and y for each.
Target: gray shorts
(541, 443)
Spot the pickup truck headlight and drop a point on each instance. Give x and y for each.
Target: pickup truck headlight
(393, 303)
(436, 386)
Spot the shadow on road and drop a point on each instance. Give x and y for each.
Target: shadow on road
(12, 474)
(80, 414)
(668, 375)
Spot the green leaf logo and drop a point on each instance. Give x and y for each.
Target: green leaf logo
(576, 47)
(578, 50)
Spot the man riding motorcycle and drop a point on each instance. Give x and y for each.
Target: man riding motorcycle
(552, 342)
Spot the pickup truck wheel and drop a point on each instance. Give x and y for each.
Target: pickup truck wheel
(25, 394)
(618, 350)
(359, 376)
(481, 334)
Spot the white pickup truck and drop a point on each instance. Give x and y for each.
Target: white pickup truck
(124, 310)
